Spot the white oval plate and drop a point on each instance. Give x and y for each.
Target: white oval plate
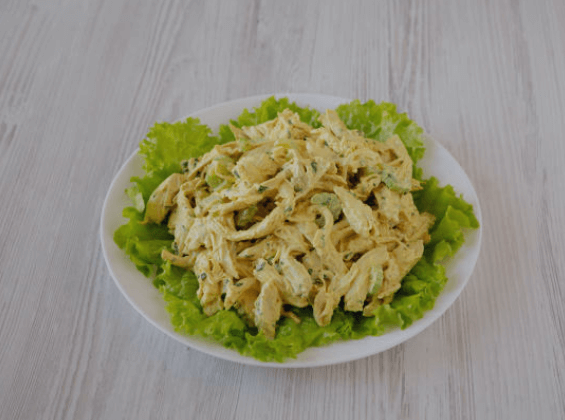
(147, 300)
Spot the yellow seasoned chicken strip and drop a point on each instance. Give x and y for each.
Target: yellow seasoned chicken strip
(259, 230)
(290, 293)
(360, 278)
(404, 258)
(161, 200)
(359, 215)
(268, 307)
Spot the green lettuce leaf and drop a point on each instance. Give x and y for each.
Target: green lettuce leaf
(142, 243)
(453, 215)
(167, 144)
(382, 121)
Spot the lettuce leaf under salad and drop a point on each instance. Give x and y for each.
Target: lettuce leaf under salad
(167, 144)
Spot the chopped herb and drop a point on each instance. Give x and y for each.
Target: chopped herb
(262, 189)
(203, 276)
(314, 166)
(310, 271)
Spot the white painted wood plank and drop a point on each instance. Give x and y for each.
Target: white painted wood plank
(80, 83)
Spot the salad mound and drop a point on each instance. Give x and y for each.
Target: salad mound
(373, 300)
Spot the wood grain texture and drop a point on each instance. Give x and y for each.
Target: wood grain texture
(81, 82)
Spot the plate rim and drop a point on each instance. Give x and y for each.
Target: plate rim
(209, 347)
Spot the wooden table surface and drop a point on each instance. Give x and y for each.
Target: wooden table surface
(81, 82)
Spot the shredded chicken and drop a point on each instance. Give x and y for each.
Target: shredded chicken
(292, 216)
